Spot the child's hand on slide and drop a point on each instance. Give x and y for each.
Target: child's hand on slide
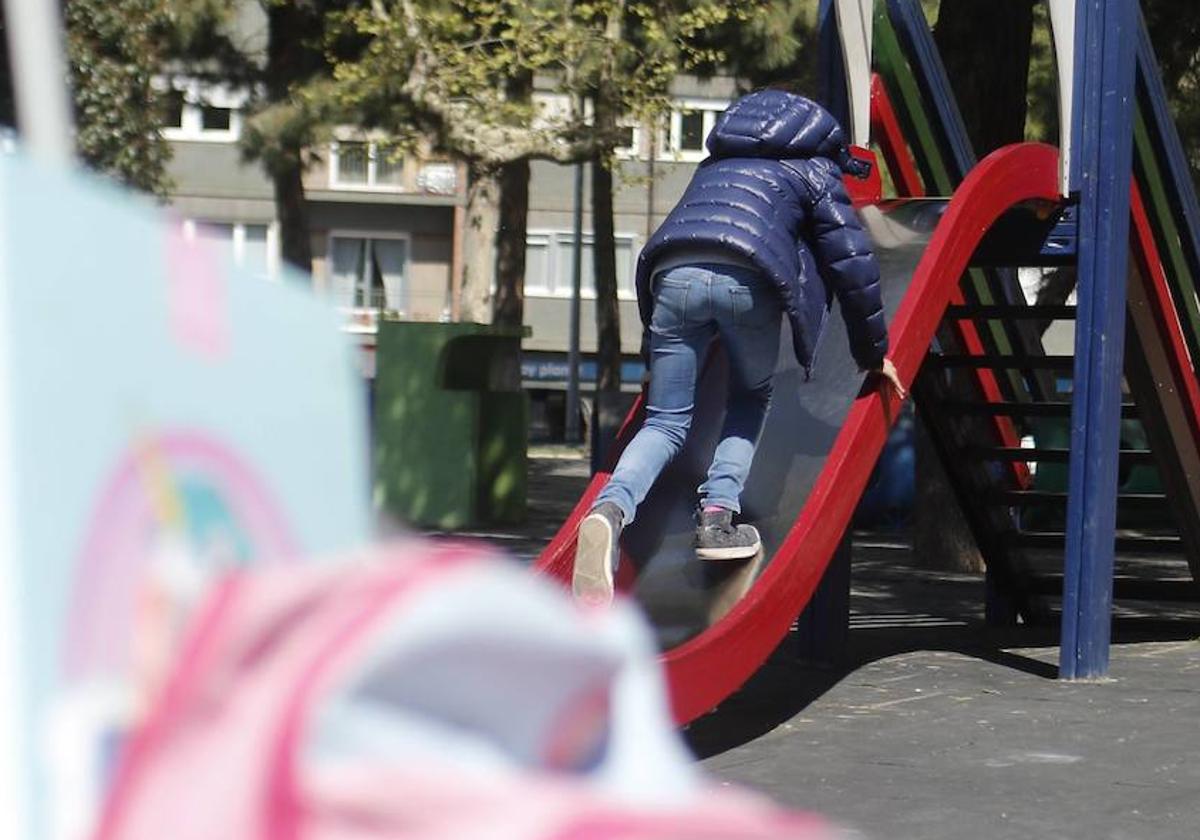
(891, 379)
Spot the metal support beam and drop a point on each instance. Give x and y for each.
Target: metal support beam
(1062, 25)
(831, 67)
(1106, 35)
(856, 25)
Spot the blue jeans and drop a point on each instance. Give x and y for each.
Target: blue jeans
(692, 304)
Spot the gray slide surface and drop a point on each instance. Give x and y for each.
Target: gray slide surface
(682, 595)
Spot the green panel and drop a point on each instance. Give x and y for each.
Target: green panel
(906, 96)
(450, 426)
(502, 462)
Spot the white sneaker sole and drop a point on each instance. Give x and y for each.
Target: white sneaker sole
(592, 579)
(737, 552)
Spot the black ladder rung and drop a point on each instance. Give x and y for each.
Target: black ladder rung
(1126, 588)
(1029, 455)
(1023, 498)
(1020, 409)
(1009, 312)
(1124, 544)
(1001, 362)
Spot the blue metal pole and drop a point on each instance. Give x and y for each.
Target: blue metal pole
(831, 68)
(1106, 36)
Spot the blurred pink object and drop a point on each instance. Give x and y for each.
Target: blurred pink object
(198, 300)
(421, 691)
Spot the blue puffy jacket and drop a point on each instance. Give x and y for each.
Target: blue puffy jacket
(771, 190)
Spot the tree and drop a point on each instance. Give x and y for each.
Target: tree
(985, 47)
(462, 73)
(668, 38)
(282, 127)
(114, 50)
(774, 42)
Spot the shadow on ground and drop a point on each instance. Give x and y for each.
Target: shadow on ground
(898, 608)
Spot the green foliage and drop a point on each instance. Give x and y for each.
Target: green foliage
(1041, 120)
(444, 68)
(115, 48)
(773, 42)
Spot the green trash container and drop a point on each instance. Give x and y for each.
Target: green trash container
(451, 424)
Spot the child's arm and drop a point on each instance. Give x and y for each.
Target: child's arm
(844, 257)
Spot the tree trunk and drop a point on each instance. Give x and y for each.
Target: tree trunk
(295, 240)
(479, 240)
(291, 28)
(509, 305)
(941, 537)
(985, 47)
(607, 413)
(604, 261)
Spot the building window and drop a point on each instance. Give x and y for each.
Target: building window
(253, 247)
(690, 123)
(371, 166)
(691, 131)
(368, 272)
(175, 104)
(196, 111)
(553, 110)
(213, 118)
(629, 147)
(550, 265)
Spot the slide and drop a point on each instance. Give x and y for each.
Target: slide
(820, 444)
(717, 622)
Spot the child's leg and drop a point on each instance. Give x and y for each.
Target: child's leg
(750, 324)
(680, 332)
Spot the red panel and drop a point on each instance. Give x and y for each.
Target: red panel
(885, 127)
(1165, 312)
(867, 190)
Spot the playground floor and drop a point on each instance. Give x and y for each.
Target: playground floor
(936, 726)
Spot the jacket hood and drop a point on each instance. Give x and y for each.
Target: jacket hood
(781, 126)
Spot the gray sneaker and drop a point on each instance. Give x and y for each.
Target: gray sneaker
(597, 554)
(717, 538)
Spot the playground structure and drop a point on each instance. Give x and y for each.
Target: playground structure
(965, 338)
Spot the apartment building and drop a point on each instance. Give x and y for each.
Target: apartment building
(386, 228)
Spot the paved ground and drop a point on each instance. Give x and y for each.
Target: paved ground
(938, 727)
